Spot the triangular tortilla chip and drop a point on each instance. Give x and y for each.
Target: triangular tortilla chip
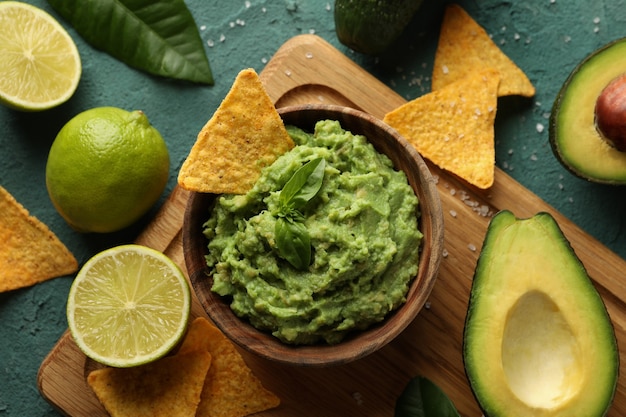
(230, 389)
(244, 135)
(454, 127)
(30, 252)
(465, 47)
(168, 387)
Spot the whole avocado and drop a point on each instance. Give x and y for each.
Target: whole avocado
(371, 26)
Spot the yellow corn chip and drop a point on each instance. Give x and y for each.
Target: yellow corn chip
(230, 389)
(30, 252)
(197, 337)
(464, 47)
(244, 135)
(454, 127)
(167, 387)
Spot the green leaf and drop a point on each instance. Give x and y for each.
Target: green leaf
(422, 398)
(156, 36)
(293, 242)
(303, 185)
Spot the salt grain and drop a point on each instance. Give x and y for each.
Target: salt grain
(328, 7)
(288, 73)
(247, 4)
(222, 38)
(444, 253)
(444, 69)
(203, 27)
(308, 55)
(427, 305)
(471, 247)
(210, 43)
(483, 210)
(453, 213)
(539, 127)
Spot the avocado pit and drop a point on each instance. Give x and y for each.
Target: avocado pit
(610, 113)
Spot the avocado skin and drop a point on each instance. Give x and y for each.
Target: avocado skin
(587, 168)
(604, 369)
(371, 26)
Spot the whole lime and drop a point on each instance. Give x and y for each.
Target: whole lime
(106, 168)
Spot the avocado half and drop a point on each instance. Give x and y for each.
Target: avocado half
(538, 340)
(574, 136)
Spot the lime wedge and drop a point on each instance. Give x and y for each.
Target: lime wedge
(39, 63)
(128, 305)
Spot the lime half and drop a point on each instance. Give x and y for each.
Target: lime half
(128, 305)
(40, 65)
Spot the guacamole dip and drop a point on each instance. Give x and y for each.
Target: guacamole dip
(364, 242)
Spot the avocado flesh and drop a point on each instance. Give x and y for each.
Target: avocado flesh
(573, 134)
(538, 340)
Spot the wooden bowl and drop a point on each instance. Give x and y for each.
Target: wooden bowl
(386, 140)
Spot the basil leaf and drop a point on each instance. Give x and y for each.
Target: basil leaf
(156, 36)
(303, 185)
(422, 398)
(293, 242)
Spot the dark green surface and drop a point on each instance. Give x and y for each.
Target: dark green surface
(546, 38)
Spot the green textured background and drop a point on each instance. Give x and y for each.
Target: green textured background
(546, 38)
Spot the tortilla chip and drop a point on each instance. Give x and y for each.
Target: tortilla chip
(198, 336)
(454, 127)
(30, 252)
(167, 387)
(230, 389)
(244, 135)
(465, 47)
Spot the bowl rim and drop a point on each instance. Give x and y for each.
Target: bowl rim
(353, 347)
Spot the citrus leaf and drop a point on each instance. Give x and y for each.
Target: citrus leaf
(159, 37)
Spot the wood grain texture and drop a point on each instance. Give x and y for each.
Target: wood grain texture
(309, 70)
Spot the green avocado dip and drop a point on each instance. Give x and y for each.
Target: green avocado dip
(363, 234)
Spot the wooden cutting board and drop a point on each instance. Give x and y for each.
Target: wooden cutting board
(306, 69)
